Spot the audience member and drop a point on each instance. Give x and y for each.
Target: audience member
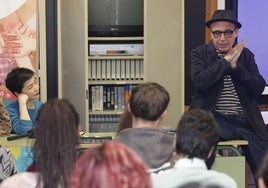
(55, 149)
(228, 83)
(7, 164)
(112, 165)
(125, 121)
(148, 106)
(262, 174)
(24, 84)
(198, 185)
(197, 135)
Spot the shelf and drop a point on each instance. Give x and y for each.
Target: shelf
(106, 112)
(114, 82)
(111, 76)
(115, 38)
(108, 57)
(116, 69)
(162, 54)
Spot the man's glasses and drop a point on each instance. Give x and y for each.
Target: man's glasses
(228, 33)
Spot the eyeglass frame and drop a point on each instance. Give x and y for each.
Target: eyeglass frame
(227, 33)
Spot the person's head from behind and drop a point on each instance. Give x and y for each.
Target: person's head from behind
(148, 101)
(262, 173)
(23, 80)
(112, 165)
(57, 137)
(197, 134)
(125, 121)
(198, 185)
(224, 29)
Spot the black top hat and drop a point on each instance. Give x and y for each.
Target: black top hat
(223, 15)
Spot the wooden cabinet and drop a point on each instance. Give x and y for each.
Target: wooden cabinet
(162, 62)
(115, 66)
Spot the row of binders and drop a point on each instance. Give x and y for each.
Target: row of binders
(109, 97)
(116, 69)
(103, 123)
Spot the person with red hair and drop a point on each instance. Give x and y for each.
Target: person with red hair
(112, 165)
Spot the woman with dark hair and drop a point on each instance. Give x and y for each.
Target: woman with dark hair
(55, 149)
(24, 84)
(112, 165)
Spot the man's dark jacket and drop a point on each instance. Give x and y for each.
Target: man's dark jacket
(208, 71)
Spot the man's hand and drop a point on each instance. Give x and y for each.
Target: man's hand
(233, 55)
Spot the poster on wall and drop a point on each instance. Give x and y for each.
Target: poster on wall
(18, 39)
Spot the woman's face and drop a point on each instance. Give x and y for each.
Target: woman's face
(31, 88)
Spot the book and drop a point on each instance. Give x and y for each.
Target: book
(126, 94)
(108, 98)
(93, 70)
(98, 69)
(112, 98)
(123, 69)
(104, 97)
(127, 68)
(103, 69)
(93, 98)
(113, 69)
(97, 97)
(108, 69)
(118, 69)
(132, 69)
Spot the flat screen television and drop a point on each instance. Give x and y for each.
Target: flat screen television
(115, 18)
(254, 31)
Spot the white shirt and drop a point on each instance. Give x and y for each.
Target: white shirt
(21, 180)
(191, 170)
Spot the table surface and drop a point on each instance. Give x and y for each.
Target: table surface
(26, 141)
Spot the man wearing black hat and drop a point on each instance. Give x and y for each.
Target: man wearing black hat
(228, 83)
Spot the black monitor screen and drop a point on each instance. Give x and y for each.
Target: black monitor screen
(115, 17)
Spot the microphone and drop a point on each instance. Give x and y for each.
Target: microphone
(28, 134)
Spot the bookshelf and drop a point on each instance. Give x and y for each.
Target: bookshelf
(112, 73)
(162, 60)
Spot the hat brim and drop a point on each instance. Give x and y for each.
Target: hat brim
(237, 24)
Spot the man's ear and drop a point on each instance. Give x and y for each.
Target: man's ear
(210, 152)
(16, 93)
(174, 141)
(128, 107)
(163, 115)
(79, 128)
